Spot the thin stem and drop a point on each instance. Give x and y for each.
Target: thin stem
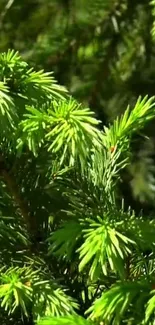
(14, 190)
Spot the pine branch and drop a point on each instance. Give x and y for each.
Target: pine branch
(68, 320)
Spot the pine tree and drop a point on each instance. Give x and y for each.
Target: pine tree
(71, 253)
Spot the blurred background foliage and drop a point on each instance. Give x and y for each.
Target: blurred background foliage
(101, 50)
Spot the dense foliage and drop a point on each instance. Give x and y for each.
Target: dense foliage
(69, 247)
(76, 248)
(102, 51)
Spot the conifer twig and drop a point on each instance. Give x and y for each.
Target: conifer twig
(19, 201)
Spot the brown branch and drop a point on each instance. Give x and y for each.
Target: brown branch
(20, 203)
(9, 181)
(4, 12)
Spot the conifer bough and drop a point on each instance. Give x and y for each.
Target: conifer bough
(70, 253)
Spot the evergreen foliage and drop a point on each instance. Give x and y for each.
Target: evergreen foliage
(71, 253)
(102, 51)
